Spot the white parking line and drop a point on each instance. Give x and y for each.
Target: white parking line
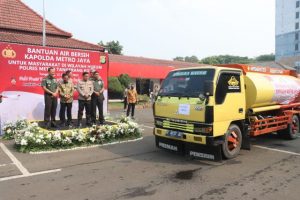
(277, 150)
(30, 174)
(3, 165)
(14, 160)
(150, 127)
(23, 170)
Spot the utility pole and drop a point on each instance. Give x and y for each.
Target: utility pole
(44, 25)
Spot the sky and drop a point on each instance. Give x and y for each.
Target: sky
(169, 28)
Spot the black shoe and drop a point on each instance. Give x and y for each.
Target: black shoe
(101, 122)
(47, 125)
(88, 124)
(69, 124)
(53, 125)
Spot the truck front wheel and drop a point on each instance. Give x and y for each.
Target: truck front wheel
(233, 142)
(292, 130)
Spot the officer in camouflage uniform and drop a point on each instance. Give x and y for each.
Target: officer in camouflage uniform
(85, 89)
(97, 98)
(50, 87)
(66, 93)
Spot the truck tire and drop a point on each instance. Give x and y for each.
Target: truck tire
(233, 142)
(292, 130)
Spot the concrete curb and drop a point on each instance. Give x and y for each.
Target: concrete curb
(85, 147)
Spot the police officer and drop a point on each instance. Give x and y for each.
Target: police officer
(66, 92)
(97, 98)
(85, 89)
(50, 87)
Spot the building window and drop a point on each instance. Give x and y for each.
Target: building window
(296, 47)
(297, 4)
(296, 36)
(297, 26)
(297, 15)
(297, 66)
(298, 69)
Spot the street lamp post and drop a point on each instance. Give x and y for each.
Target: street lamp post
(44, 25)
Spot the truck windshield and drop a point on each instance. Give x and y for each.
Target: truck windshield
(186, 83)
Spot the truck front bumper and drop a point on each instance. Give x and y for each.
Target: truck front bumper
(196, 146)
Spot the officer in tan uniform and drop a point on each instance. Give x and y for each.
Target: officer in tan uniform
(85, 89)
(66, 93)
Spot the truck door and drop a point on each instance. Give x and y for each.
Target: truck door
(229, 100)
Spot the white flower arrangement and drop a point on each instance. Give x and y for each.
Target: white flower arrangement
(30, 137)
(23, 142)
(56, 136)
(28, 134)
(92, 139)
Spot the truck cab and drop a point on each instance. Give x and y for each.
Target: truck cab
(210, 112)
(201, 112)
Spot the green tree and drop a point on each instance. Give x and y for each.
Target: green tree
(125, 80)
(113, 47)
(210, 60)
(192, 59)
(265, 57)
(115, 88)
(178, 58)
(226, 59)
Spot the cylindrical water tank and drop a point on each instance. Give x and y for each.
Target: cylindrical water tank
(267, 89)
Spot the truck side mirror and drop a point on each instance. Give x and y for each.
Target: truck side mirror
(208, 88)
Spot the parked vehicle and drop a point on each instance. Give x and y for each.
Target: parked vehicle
(207, 112)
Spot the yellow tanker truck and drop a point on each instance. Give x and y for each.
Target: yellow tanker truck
(211, 112)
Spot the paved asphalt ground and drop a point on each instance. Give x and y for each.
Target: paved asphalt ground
(138, 170)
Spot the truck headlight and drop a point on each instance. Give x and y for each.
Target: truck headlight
(206, 130)
(158, 122)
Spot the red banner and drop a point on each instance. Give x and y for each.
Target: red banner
(23, 67)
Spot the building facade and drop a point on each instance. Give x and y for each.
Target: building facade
(287, 28)
(288, 33)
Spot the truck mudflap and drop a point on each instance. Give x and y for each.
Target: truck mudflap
(170, 145)
(193, 150)
(204, 152)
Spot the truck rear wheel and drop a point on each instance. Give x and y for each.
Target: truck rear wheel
(292, 130)
(233, 142)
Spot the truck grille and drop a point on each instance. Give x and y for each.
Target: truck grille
(178, 126)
